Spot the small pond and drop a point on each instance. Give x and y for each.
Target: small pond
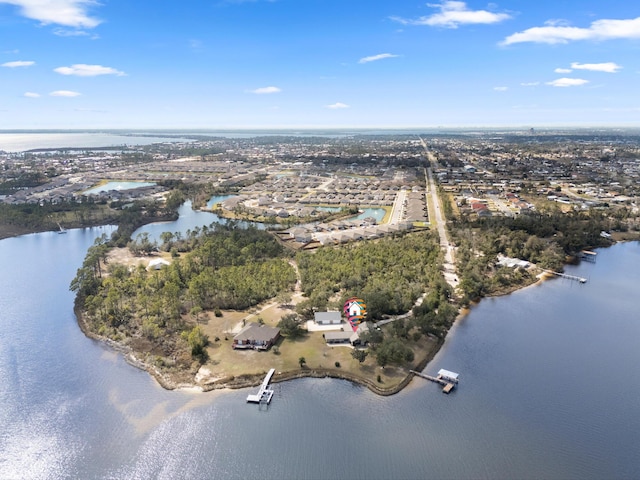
(118, 186)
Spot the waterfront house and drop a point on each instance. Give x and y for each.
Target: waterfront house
(256, 337)
(336, 338)
(346, 337)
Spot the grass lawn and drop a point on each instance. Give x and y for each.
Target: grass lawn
(224, 361)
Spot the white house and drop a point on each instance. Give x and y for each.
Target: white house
(347, 338)
(328, 318)
(157, 264)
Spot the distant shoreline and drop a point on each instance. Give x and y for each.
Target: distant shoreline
(10, 231)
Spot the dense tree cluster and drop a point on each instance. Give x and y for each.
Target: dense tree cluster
(436, 314)
(394, 351)
(544, 239)
(227, 268)
(571, 231)
(47, 216)
(389, 274)
(21, 181)
(289, 326)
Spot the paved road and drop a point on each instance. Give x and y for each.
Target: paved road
(436, 218)
(398, 207)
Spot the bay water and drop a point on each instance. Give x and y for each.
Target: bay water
(550, 388)
(22, 141)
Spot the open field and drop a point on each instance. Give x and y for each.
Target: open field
(225, 362)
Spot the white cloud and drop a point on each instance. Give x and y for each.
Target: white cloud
(501, 89)
(454, 13)
(374, 58)
(64, 93)
(553, 33)
(18, 63)
(83, 70)
(31, 95)
(562, 70)
(608, 67)
(337, 106)
(568, 82)
(530, 84)
(71, 13)
(63, 32)
(265, 90)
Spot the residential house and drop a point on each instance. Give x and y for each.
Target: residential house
(257, 337)
(328, 318)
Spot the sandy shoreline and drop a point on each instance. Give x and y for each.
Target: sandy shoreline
(252, 380)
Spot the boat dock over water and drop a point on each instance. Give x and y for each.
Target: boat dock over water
(588, 255)
(447, 379)
(265, 393)
(566, 275)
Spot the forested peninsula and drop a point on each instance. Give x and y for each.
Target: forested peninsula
(178, 319)
(173, 307)
(417, 226)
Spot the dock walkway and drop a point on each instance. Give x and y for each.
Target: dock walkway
(566, 275)
(448, 384)
(588, 255)
(265, 394)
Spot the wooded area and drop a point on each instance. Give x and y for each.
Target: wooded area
(544, 239)
(227, 268)
(389, 274)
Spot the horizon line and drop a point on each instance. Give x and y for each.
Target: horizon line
(323, 127)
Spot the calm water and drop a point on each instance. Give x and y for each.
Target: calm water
(550, 381)
(377, 213)
(118, 186)
(217, 199)
(19, 142)
(189, 219)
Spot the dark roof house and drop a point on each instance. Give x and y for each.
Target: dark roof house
(257, 337)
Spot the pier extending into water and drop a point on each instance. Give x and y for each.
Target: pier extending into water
(566, 275)
(265, 394)
(447, 379)
(588, 256)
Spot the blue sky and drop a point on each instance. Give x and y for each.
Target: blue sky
(318, 63)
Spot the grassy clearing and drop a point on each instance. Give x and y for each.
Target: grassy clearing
(224, 361)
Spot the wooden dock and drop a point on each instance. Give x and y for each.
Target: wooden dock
(566, 275)
(265, 394)
(447, 384)
(588, 256)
